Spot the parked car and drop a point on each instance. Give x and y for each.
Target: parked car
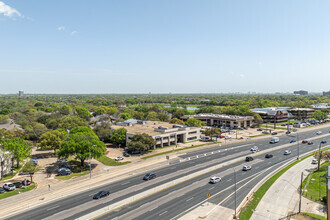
(101, 194)
(215, 179)
(247, 159)
(314, 161)
(287, 152)
(126, 154)
(2, 190)
(304, 142)
(274, 133)
(319, 132)
(259, 129)
(18, 185)
(323, 141)
(227, 137)
(292, 141)
(63, 171)
(119, 158)
(288, 132)
(9, 186)
(28, 182)
(310, 143)
(35, 161)
(149, 176)
(246, 167)
(64, 166)
(268, 155)
(61, 160)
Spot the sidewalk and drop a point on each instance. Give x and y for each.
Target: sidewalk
(282, 198)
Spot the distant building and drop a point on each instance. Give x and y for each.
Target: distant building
(300, 92)
(301, 113)
(20, 93)
(219, 120)
(326, 93)
(164, 133)
(273, 114)
(321, 106)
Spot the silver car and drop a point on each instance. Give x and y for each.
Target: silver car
(215, 179)
(246, 167)
(9, 186)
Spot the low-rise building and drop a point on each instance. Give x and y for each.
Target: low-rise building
(326, 93)
(222, 121)
(164, 133)
(300, 92)
(272, 114)
(301, 113)
(321, 106)
(5, 163)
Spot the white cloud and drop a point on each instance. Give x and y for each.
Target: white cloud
(8, 11)
(61, 28)
(241, 75)
(74, 33)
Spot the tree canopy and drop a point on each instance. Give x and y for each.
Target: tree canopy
(193, 122)
(17, 147)
(118, 137)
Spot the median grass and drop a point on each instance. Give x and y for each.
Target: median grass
(111, 162)
(314, 216)
(315, 184)
(17, 191)
(175, 150)
(9, 176)
(67, 177)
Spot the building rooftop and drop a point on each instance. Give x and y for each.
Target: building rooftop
(217, 116)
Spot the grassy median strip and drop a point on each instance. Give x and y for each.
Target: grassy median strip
(247, 211)
(111, 162)
(314, 216)
(175, 150)
(17, 191)
(67, 177)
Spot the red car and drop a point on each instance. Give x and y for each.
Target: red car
(28, 182)
(304, 141)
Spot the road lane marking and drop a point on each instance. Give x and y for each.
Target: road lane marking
(189, 199)
(125, 183)
(162, 213)
(53, 207)
(211, 188)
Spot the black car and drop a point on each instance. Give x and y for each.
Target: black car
(274, 133)
(2, 190)
(18, 185)
(149, 176)
(268, 155)
(101, 194)
(64, 172)
(126, 154)
(310, 143)
(247, 159)
(64, 166)
(288, 132)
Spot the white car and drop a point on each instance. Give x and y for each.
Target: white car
(319, 132)
(119, 158)
(314, 161)
(227, 137)
(254, 149)
(246, 167)
(9, 186)
(215, 179)
(287, 152)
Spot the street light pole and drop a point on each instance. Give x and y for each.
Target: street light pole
(235, 192)
(90, 164)
(318, 164)
(298, 146)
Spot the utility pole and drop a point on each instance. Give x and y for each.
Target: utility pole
(318, 164)
(301, 181)
(235, 192)
(90, 164)
(298, 146)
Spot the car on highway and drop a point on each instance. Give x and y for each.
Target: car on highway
(18, 185)
(2, 190)
(310, 143)
(254, 148)
(101, 194)
(274, 140)
(274, 133)
(247, 159)
(314, 161)
(323, 141)
(9, 186)
(126, 154)
(268, 155)
(292, 141)
(304, 142)
(246, 167)
(319, 132)
(215, 179)
(287, 152)
(119, 158)
(149, 176)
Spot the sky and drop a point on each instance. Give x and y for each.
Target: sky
(169, 46)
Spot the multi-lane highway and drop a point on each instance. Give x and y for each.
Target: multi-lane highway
(175, 201)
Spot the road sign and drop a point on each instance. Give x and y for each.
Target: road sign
(208, 195)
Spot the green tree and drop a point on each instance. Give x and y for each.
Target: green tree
(178, 113)
(82, 130)
(17, 147)
(65, 110)
(141, 142)
(138, 115)
(118, 137)
(79, 146)
(52, 140)
(125, 115)
(103, 131)
(319, 115)
(4, 119)
(83, 113)
(69, 122)
(193, 122)
(211, 132)
(34, 130)
(177, 121)
(152, 116)
(30, 168)
(163, 117)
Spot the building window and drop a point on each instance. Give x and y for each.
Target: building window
(193, 132)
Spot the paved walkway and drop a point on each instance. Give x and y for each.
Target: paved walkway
(282, 198)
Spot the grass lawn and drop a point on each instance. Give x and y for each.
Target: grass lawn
(111, 162)
(67, 177)
(9, 176)
(314, 216)
(17, 191)
(315, 181)
(175, 150)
